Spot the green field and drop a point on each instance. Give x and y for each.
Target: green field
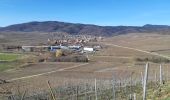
(9, 56)
(5, 66)
(8, 60)
(167, 98)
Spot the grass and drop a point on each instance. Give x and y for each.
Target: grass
(9, 65)
(9, 57)
(167, 98)
(13, 60)
(5, 66)
(8, 60)
(160, 92)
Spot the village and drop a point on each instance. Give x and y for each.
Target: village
(65, 48)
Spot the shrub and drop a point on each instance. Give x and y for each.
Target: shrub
(72, 58)
(153, 59)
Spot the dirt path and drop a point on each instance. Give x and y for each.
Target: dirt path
(45, 73)
(151, 53)
(124, 57)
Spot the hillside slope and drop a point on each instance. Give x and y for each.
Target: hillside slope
(75, 28)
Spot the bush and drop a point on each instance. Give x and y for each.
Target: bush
(153, 59)
(73, 58)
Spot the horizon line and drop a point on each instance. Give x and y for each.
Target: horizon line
(79, 23)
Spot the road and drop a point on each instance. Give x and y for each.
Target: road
(124, 57)
(46, 73)
(151, 53)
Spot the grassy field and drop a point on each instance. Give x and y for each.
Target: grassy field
(8, 60)
(5, 66)
(9, 57)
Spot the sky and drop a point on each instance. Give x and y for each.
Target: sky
(99, 12)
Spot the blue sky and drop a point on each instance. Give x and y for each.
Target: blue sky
(100, 12)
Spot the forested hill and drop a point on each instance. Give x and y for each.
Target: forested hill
(76, 28)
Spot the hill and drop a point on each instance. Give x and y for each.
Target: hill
(76, 28)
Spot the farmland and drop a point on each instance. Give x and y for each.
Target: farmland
(7, 60)
(111, 61)
(8, 57)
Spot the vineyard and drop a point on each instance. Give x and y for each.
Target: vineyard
(147, 86)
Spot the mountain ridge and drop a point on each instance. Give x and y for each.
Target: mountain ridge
(88, 29)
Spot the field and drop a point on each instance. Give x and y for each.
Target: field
(116, 59)
(7, 60)
(8, 56)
